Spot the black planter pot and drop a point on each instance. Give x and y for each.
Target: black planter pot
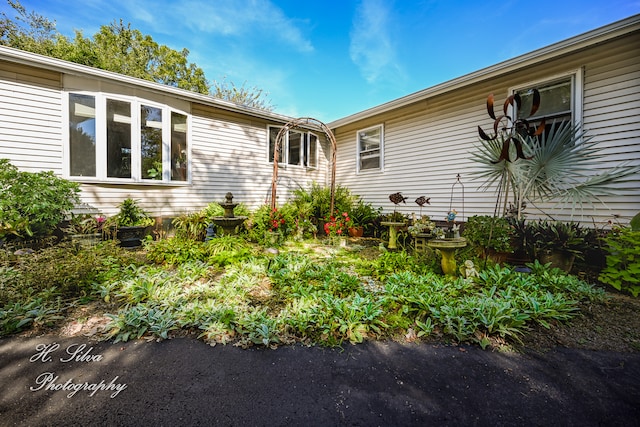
(131, 237)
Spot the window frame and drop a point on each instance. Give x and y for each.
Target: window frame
(380, 168)
(305, 148)
(136, 143)
(577, 92)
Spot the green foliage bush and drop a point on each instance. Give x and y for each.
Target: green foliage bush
(229, 292)
(179, 250)
(37, 287)
(282, 220)
(623, 261)
(487, 232)
(192, 226)
(33, 204)
(319, 199)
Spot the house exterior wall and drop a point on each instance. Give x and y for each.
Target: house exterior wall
(229, 151)
(427, 143)
(30, 117)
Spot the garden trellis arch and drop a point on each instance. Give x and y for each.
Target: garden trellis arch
(306, 122)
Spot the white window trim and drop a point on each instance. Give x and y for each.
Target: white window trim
(577, 87)
(283, 159)
(101, 140)
(317, 152)
(382, 144)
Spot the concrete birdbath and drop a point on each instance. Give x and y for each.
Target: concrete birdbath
(447, 248)
(393, 232)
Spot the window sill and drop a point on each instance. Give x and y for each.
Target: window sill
(148, 182)
(369, 171)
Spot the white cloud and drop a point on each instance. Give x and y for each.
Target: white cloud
(234, 18)
(371, 46)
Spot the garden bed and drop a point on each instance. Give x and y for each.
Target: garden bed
(311, 293)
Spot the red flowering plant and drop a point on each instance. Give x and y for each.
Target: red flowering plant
(276, 220)
(337, 225)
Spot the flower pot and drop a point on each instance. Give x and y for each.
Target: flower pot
(497, 257)
(356, 231)
(561, 260)
(131, 237)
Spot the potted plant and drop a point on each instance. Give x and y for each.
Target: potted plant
(421, 226)
(491, 235)
(130, 224)
(558, 243)
(362, 216)
(421, 230)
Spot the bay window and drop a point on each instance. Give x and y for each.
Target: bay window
(126, 140)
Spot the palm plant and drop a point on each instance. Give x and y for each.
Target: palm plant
(557, 165)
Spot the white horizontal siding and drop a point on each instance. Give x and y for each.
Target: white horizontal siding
(429, 143)
(30, 123)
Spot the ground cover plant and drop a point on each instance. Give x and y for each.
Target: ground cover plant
(229, 290)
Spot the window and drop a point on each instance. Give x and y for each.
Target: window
(178, 147)
(151, 142)
(560, 100)
(82, 135)
(370, 149)
(297, 148)
(116, 139)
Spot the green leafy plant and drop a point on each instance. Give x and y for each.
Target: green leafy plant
(363, 214)
(565, 237)
(191, 226)
(421, 225)
(33, 204)
(623, 261)
(319, 199)
(266, 220)
(337, 225)
(488, 232)
(131, 215)
(529, 165)
(85, 224)
(394, 217)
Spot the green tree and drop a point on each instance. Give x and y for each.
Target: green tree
(119, 48)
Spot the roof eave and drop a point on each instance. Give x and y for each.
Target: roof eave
(71, 68)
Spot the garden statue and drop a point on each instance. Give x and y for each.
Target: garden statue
(468, 270)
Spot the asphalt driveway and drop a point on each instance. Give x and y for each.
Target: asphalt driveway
(62, 381)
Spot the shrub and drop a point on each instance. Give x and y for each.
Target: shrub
(265, 220)
(489, 232)
(623, 261)
(364, 214)
(319, 199)
(33, 204)
(178, 250)
(191, 226)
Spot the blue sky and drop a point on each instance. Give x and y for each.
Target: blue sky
(330, 59)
